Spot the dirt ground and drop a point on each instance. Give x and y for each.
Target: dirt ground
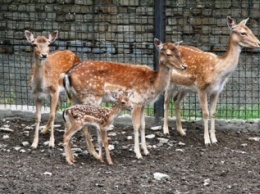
(231, 166)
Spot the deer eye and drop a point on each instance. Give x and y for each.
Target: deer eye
(123, 103)
(34, 45)
(243, 34)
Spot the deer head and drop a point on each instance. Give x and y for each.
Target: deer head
(169, 55)
(41, 43)
(242, 34)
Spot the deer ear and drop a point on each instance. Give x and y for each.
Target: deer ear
(244, 21)
(29, 36)
(230, 22)
(53, 36)
(158, 44)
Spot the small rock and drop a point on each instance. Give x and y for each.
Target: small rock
(22, 150)
(254, 138)
(17, 148)
(206, 182)
(162, 140)
(6, 129)
(111, 147)
(151, 136)
(159, 176)
(180, 150)
(156, 128)
(76, 150)
(6, 137)
(244, 144)
(111, 134)
(129, 137)
(47, 173)
(181, 144)
(25, 143)
(46, 143)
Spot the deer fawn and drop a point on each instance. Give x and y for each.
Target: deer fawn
(207, 74)
(85, 83)
(45, 78)
(81, 116)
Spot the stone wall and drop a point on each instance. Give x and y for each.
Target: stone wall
(122, 30)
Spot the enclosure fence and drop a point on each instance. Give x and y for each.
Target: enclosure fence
(123, 31)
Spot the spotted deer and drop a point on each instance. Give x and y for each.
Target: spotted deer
(85, 83)
(207, 75)
(81, 116)
(45, 78)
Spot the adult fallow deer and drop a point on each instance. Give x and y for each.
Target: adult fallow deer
(207, 75)
(45, 78)
(85, 83)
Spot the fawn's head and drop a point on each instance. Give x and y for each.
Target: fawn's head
(41, 43)
(122, 99)
(242, 34)
(169, 55)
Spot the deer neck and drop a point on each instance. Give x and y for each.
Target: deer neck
(114, 112)
(38, 75)
(162, 78)
(229, 60)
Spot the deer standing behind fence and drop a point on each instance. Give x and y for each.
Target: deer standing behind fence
(85, 83)
(207, 75)
(45, 78)
(80, 117)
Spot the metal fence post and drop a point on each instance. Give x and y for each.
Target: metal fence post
(159, 31)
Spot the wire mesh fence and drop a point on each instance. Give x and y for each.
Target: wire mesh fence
(123, 31)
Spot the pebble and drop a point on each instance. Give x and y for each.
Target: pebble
(181, 144)
(159, 176)
(6, 129)
(254, 138)
(206, 182)
(47, 173)
(129, 137)
(162, 140)
(25, 143)
(151, 136)
(156, 128)
(6, 137)
(111, 147)
(111, 134)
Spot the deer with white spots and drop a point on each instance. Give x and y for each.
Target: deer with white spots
(45, 80)
(207, 75)
(80, 117)
(85, 83)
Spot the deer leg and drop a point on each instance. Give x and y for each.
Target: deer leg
(213, 106)
(136, 120)
(90, 145)
(105, 141)
(167, 97)
(50, 123)
(100, 145)
(142, 132)
(205, 112)
(38, 104)
(67, 144)
(177, 100)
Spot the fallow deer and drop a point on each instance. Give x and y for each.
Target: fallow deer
(45, 78)
(85, 83)
(207, 75)
(80, 117)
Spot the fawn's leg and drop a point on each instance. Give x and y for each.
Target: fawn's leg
(105, 141)
(90, 145)
(142, 132)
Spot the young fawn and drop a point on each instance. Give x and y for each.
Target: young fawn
(45, 78)
(85, 83)
(80, 117)
(207, 75)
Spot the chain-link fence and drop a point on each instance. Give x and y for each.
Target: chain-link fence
(123, 31)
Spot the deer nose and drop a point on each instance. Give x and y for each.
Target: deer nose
(184, 67)
(44, 55)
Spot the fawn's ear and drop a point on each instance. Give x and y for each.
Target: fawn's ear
(29, 36)
(244, 21)
(53, 36)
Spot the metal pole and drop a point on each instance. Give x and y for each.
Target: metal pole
(159, 31)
